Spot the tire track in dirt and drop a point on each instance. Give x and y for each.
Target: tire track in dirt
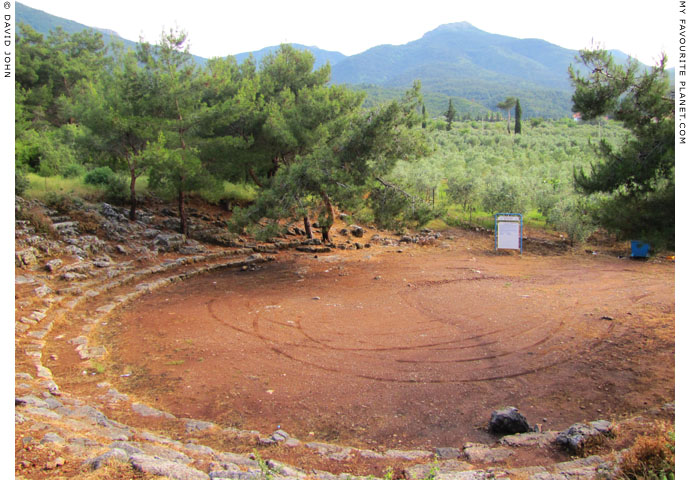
(487, 356)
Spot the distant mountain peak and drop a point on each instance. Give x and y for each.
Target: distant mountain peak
(453, 28)
(456, 26)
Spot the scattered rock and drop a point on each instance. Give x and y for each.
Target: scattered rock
(72, 276)
(81, 340)
(529, 439)
(52, 438)
(280, 436)
(311, 249)
(23, 280)
(110, 213)
(446, 453)
(31, 400)
(169, 242)
(285, 470)
(146, 411)
(197, 426)
(26, 257)
(443, 470)
(409, 454)
(127, 447)
(479, 453)
(113, 454)
(53, 464)
(579, 435)
(86, 353)
(53, 265)
(156, 466)
(357, 231)
(333, 452)
(113, 396)
(255, 474)
(237, 459)
(43, 290)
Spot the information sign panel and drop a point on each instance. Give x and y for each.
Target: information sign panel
(508, 231)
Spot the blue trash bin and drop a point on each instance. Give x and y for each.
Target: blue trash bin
(639, 249)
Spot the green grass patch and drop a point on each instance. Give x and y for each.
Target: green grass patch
(437, 224)
(230, 193)
(175, 362)
(534, 219)
(41, 187)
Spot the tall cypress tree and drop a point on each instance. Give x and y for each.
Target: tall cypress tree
(518, 117)
(450, 114)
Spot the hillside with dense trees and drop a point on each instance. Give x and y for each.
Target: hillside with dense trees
(476, 69)
(279, 141)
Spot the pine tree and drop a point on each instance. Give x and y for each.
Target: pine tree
(507, 105)
(637, 178)
(518, 117)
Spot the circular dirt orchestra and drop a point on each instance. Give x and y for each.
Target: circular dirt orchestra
(409, 348)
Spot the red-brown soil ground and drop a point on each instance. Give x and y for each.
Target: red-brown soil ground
(404, 346)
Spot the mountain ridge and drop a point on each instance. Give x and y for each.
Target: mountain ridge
(458, 61)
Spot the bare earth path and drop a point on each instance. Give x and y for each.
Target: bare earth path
(404, 348)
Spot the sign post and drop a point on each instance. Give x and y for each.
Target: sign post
(508, 231)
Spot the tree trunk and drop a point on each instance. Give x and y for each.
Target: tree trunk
(132, 195)
(276, 166)
(184, 229)
(307, 228)
(253, 175)
(508, 123)
(330, 218)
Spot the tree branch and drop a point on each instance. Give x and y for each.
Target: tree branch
(398, 189)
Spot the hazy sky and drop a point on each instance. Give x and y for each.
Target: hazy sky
(220, 28)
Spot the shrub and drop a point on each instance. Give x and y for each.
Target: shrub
(61, 202)
(100, 176)
(21, 181)
(266, 233)
(504, 195)
(117, 190)
(72, 170)
(651, 456)
(387, 205)
(570, 215)
(38, 219)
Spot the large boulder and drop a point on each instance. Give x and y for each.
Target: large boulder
(507, 422)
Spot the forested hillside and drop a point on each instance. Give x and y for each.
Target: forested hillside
(474, 68)
(277, 139)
